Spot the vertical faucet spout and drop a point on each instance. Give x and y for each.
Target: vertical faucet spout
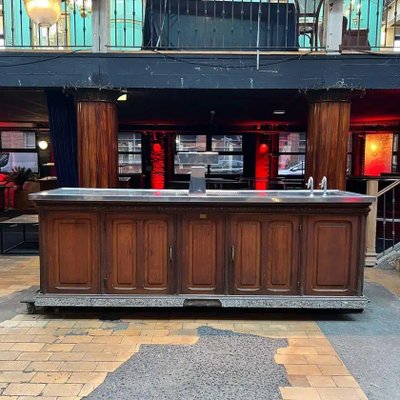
(310, 184)
(324, 184)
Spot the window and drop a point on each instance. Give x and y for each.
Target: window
(1, 26)
(230, 158)
(396, 149)
(292, 149)
(229, 148)
(18, 149)
(129, 153)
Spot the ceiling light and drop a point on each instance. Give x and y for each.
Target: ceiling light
(279, 112)
(123, 97)
(43, 145)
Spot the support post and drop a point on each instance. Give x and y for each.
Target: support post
(370, 255)
(333, 22)
(100, 26)
(328, 137)
(97, 123)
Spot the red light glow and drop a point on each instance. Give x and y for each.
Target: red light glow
(378, 153)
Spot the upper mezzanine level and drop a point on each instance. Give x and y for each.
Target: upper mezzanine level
(206, 26)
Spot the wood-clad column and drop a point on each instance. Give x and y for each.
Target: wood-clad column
(96, 113)
(327, 137)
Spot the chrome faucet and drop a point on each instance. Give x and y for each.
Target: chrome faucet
(324, 184)
(310, 184)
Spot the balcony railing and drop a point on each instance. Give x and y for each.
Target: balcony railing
(208, 25)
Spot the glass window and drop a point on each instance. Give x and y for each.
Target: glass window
(229, 147)
(18, 140)
(226, 143)
(130, 142)
(129, 153)
(228, 164)
(292, 142)
(10, 160)
(291, 164)
(130, 163)
(191, 142)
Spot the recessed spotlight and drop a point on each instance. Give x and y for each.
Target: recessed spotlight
(123, 97)
(279, 112)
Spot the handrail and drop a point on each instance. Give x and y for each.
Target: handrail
(390, 187)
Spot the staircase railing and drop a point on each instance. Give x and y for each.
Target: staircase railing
(388, 218)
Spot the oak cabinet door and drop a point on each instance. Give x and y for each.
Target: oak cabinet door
(265, 254)
(71, 252)
(331, 257)
(202, 254)
(138, 253)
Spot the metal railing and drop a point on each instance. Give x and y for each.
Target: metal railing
(388, 219)
(263, 25)
(173, 25)
(371, 25)
(17, 31)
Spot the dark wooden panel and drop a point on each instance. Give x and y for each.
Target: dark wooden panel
(156, 258)
(280, 254)
(97, 144)
(247, 256)
(266, 254)
(202, 254)
(138, 259)
(121, 236)
(332, 255)
(327, 142)
(72, 248)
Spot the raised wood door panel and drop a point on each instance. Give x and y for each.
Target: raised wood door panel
(156, 261)
(72, 252)
(122, 254)
(265, 254)
(202, 254)
(331, 258)
(138, 261)
(280, 253)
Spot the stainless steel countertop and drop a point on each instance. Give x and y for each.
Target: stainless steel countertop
(213, 196)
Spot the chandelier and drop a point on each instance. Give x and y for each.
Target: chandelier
(84, 6)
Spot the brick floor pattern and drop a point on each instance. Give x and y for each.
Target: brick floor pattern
(62, 357)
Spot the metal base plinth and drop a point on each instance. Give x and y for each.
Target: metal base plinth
(290, 302)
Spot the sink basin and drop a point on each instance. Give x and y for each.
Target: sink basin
(211, 196)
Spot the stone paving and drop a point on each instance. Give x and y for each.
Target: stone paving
(67, 356)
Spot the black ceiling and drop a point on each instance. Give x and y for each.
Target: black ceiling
(202, 108)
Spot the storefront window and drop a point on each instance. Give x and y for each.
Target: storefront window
(129, 153)
(292, 148)
(229, 148)
(18, 149)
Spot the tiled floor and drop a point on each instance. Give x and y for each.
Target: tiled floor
(67, 357)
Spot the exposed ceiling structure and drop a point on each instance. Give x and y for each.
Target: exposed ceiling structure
(236, 109)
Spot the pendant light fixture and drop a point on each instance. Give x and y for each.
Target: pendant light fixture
(45, 13)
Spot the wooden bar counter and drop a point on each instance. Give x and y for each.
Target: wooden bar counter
(148, 248)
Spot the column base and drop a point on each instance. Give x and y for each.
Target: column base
(370, 259)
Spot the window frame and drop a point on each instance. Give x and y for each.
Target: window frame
(292, 153)
(131, 152)
(209, 137)
(21, 150)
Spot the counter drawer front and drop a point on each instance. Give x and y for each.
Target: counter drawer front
(202, 254)
(332, 255)
(265, 254)
(71, 251)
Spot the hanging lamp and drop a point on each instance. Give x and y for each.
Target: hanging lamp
(45, 13)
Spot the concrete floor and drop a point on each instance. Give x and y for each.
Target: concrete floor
(316, 356)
